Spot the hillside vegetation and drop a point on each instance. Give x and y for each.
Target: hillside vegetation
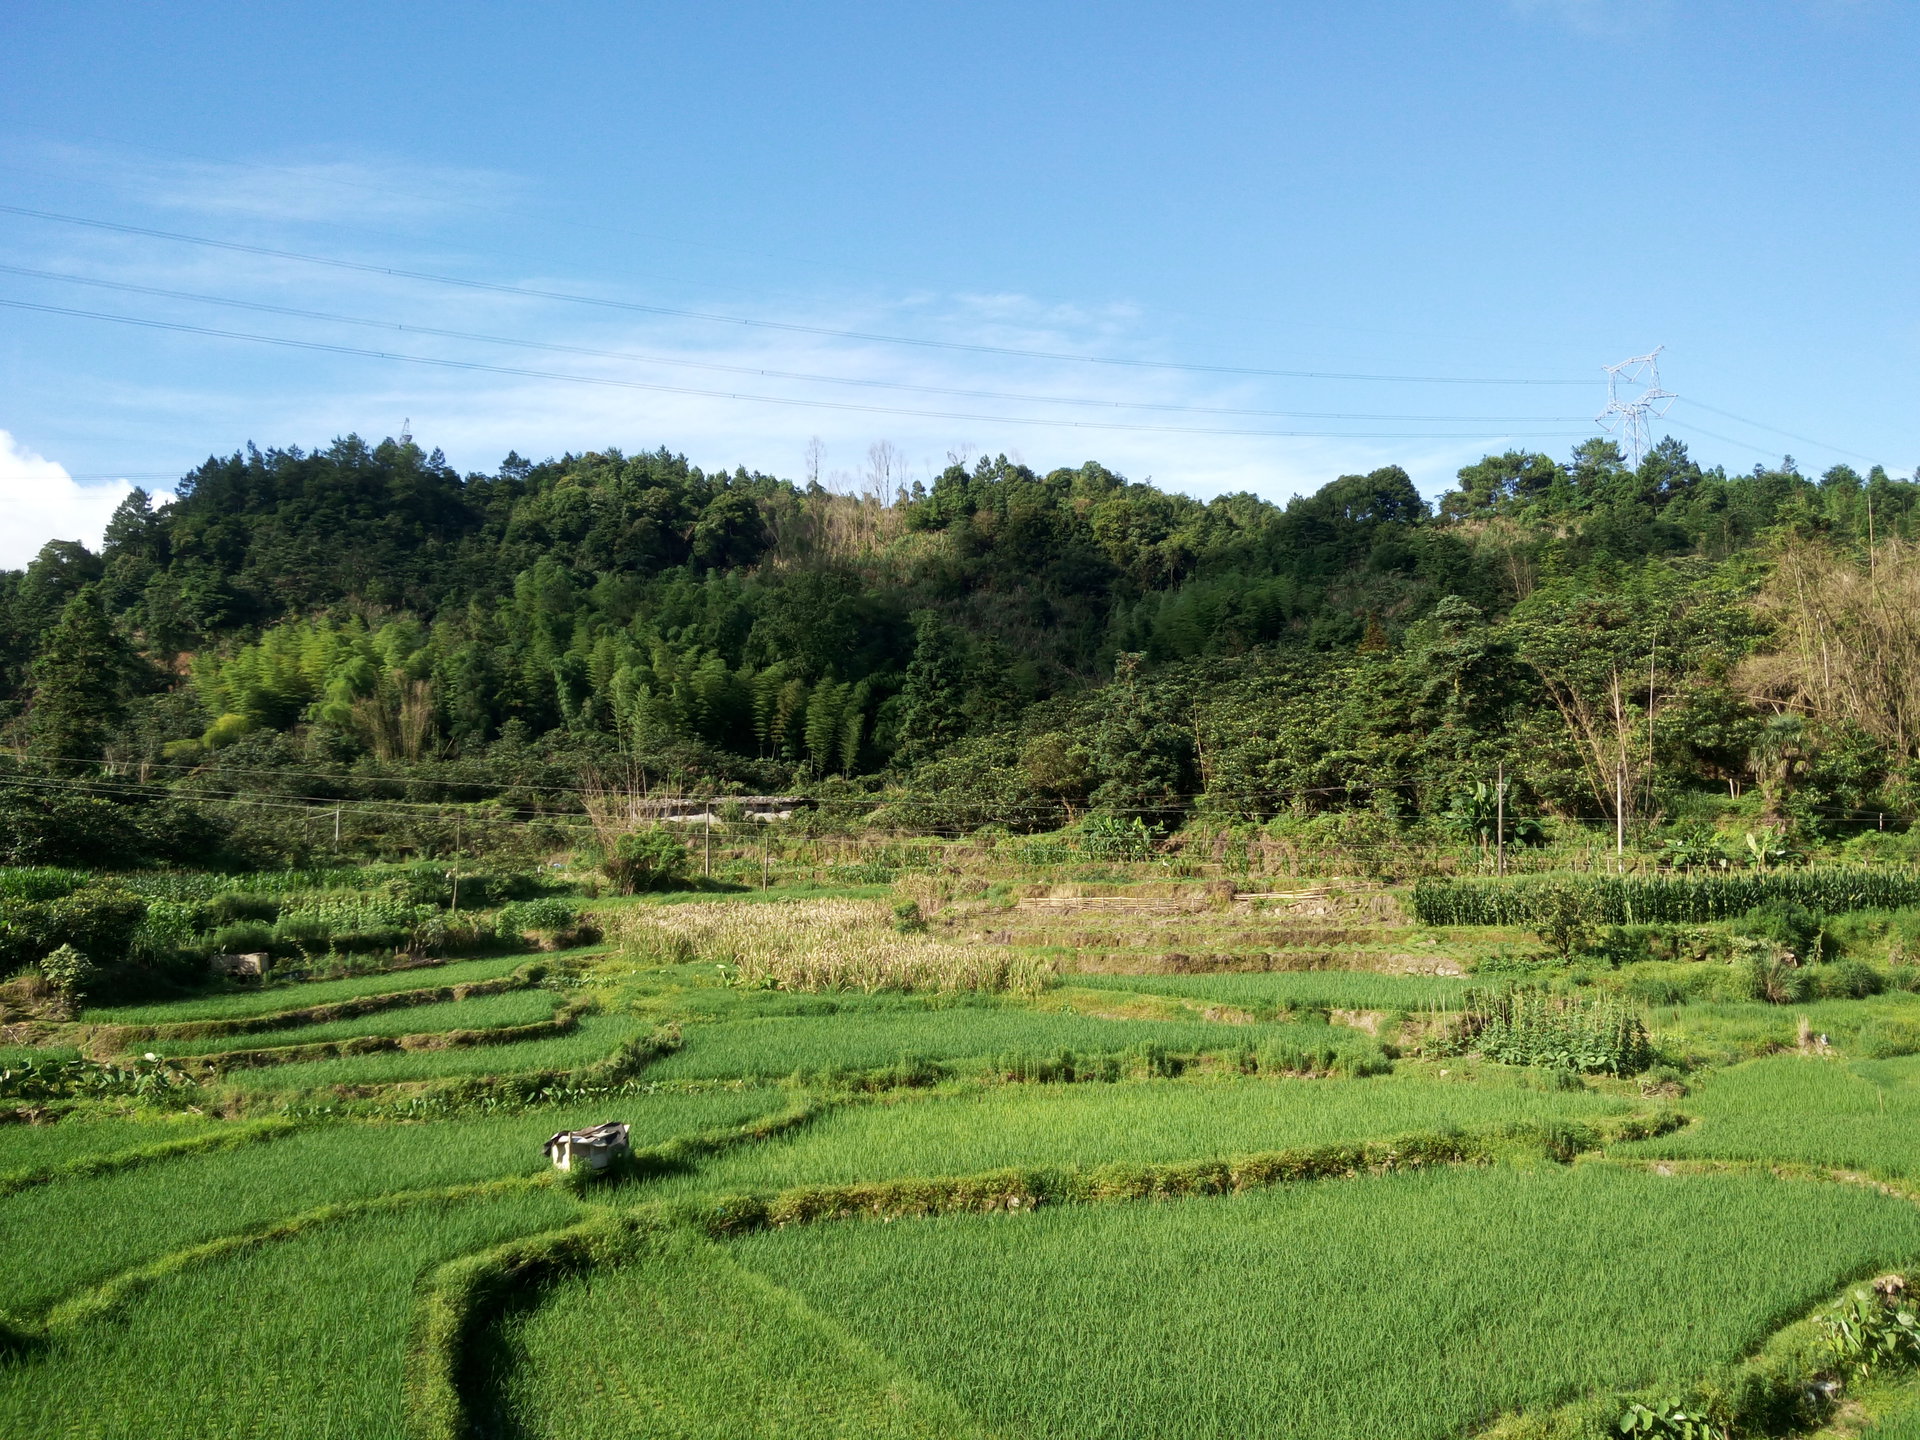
(357, 651)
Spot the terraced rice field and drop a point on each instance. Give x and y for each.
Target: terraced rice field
(783, 1045)
(303, 1337)
(292, 1270)
(1857, 1115)
(267, 999)
(1413, 1306)
(593, 1038)
(482, 1012)
(1142, 1122)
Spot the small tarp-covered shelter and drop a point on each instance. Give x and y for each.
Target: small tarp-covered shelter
(593, 1149)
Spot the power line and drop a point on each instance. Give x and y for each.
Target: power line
(1774, 429)
(611, 382)
(761, 370)
(495, 287)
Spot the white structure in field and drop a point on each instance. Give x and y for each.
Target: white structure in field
(593, 1149)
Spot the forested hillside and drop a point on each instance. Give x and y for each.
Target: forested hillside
(362, 623)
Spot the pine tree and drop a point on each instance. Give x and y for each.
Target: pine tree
(933, 699)
(78, 685)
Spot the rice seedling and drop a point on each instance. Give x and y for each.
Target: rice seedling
(1730, 1031)
(1818, 1111)
(33, 1147)
(594, 1038)
(267, 999)
(1264, 992)
(315, 1348)
(480, 1012)
(1148, 1121)
(1416, 1305)
(816, 1044)
(69, 1233)
(820, 945)
(702, 1348)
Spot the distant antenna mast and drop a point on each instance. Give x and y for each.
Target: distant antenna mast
(406, 431)
(1633, 393)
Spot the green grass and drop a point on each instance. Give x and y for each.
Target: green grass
(684, 1343)
(596, 1037)
(1403, 1307)
(482, 1012)
(34, 1147)
(866, 1041)
(69, 1233)
(1261, 992)
(1145, 1121)
(304, 1337)
(1736, 1030)
(239, 1004)
(1863, 1114)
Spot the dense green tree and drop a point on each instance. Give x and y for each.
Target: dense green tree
(79, 686)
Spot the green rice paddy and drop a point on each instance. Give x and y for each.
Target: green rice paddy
(304, 1337)
(1264, 991)
(1416, 1305)
(594, 1038)
(73, 1232)
(1090, 1124)
(1862, 1114)
(688, 1344)
(482, 1012)
(34, 1147)
(268, 999)
(860, 1041)
(1412, 1305)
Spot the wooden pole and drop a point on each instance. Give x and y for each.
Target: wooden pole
(1620, 814)
(1500, 816)
(706, 824)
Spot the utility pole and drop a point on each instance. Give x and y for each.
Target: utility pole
(766, 856)
(336, 827)
(1500, 816)
(706, 824)
(1620, 815)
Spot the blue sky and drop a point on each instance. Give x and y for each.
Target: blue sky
(1511, 190)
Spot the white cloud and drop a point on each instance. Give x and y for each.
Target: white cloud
(361, 192)
(40, 501)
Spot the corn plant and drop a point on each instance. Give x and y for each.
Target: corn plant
(1640, 900)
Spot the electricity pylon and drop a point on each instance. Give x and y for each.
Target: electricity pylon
(1628, 416)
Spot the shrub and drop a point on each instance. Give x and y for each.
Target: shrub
(246, 938)
(232, 905)
(1791, 926)
(647, 860)
(169, 928)
(42, 882)
(1775, 979)
(99, 920)
(1108, 837)
(1564, 917)
(552, 919)
(1579, 1033)
(70, 972)
(1847, 980)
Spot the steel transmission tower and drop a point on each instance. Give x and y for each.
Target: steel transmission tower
(1634, 393)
